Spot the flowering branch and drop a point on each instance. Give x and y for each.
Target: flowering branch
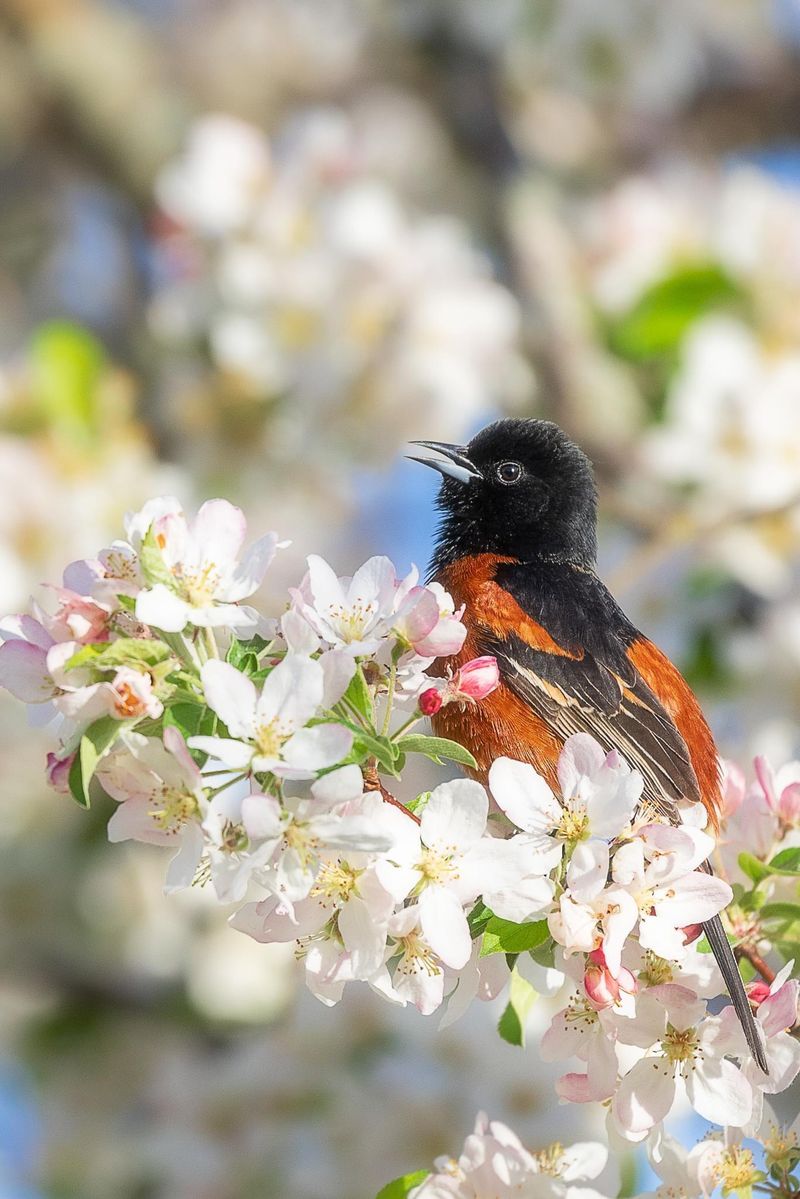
(257, 748)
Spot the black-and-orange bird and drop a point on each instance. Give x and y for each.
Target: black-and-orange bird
(517, 544)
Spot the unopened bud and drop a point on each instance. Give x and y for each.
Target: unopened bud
(602, 988)
(691, 932)
(57, 772)
(476, 679)
(430, 701)
(757, 992)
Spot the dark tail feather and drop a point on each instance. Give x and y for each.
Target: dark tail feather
(733, 981)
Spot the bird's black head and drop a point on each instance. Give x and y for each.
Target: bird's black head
(520, 488)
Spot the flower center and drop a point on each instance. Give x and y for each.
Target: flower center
(418, 957)
(299, 838)
(550, 1160)
(579, 1012)
(336, 882)
(176, 807)
(736, 1169)
(352, 622)
(198, 587)
(269, 738)
(574, 823)
(656, 970)
(680, 1046)
(233, 838)
(437, 864)
(127, 701)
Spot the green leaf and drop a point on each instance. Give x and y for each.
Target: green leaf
(504, 936)
(437, 749)
(478, 918)
(786, 863)
(151, 560)
(190, 719)
(402, 1186)
(656, 324)
(93, 744)
(369, 745)
(358, 694)
(780, 911)
(244, 654)
(544, 954)
(127, 651)
(521, 999)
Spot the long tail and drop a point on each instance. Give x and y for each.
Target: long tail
(733, 981)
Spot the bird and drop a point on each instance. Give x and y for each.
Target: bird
(517, 547)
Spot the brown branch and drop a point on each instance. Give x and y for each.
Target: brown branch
(756, 961)
(373, 783)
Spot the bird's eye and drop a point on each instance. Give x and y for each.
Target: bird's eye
(509, 472)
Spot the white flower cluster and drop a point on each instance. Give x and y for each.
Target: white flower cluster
(310, 278)
(256, 748)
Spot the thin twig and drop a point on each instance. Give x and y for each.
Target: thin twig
(373, 783)
(756, 961)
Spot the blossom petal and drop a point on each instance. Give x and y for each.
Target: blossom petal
(231, 695)
(588, 870)
(292, 691)
(455, 815)
(580, 758)
(718, 1091)
(318, 747)
(23, 672)
(645, 1095)
(248, 574)
(231, 753)
(162, 609)
(183, 867)
(217, 535)
(524, 796)
(445, 926)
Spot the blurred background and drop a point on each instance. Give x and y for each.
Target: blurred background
(248, 248)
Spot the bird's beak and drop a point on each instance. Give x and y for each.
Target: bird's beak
(456, 464)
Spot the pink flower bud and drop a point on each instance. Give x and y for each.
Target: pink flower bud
(430, 701)
(476, 679)
(691, 932)
(57, 772)
(602, 988)
(757, 992)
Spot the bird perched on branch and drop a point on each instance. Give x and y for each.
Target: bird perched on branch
(517, 545)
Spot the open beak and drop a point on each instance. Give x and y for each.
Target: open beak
(456, 464)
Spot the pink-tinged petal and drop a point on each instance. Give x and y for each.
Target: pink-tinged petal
(162, 609)
(183, 867)
(133, 821)
(338, 668)
(766, 778)
(684, 1009)
(719, 1092)
(445, 926)
(733, 788)
(621, 919)
(83, 575)
(778, 1012)
(455, 815)
(364, 938)
(575, 1088)
(292, 691)
(217, 535)
(418, 616)
(23, 672)
(261, 817)
(645, 1095)
(477, 679)
(318, 747)
(275, 920)
(524, 796)
(588, 870)
(695, 898)
(248, 575)
(323, 584)
(136, 524)
(231, 695)
(24, 628)
(446, 638)
(234, 754)
(175, 743)
(580, 758)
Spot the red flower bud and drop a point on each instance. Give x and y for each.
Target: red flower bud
(430, 701)
(691, 932)
(757, 992)
(57, 772)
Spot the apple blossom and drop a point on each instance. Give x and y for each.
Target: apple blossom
(268, 729)
(193, 572)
